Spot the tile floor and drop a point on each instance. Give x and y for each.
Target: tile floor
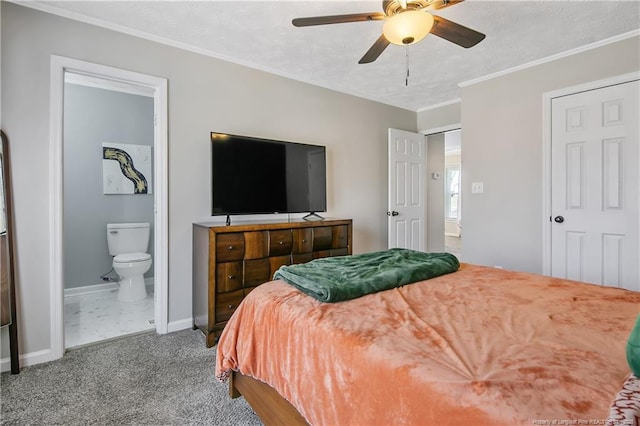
(92, 317)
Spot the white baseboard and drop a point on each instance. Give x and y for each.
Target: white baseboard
(26, 360)
(88, 289)
(182, 324)
(39, 357)
(95, 288)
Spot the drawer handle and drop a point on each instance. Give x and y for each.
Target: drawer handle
(230, 247)
(232, 277)
(281, 242)
(231, 306)
(341, 237)
(304, 241)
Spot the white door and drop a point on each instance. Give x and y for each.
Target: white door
(596, 186)
(407, 190)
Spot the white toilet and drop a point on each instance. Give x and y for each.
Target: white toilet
(128, 242)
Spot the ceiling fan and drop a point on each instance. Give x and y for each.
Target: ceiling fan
(406, 22)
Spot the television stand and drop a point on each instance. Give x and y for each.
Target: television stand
(313, 216)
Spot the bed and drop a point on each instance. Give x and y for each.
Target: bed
(479, 346)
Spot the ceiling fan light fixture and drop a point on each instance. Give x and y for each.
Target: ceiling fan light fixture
(407, 27)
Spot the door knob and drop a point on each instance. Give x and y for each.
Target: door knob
(558, 219)
(393, 213)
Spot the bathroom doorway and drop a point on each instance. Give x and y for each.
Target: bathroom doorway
(96, 109)
(99, 116)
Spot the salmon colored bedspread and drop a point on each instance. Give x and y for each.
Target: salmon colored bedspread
(476, 347)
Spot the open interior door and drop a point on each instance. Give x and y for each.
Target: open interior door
(407, 190)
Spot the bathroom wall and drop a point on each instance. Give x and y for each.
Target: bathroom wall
(92, 116)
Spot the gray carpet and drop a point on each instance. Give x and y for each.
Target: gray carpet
(147, 379)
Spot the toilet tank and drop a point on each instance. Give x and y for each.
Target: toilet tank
(127, 238)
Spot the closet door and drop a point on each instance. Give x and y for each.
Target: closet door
(595, 186)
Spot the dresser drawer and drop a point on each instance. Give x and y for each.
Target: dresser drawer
(301, 258)
(226, 304)
(256, 272)
(321, 253)
(339, 236)
(228, 276)
(229, 247)
(322, 237)
(302, 241)
(256, 244)
(280, 242)
(340, 252)
(276, 262)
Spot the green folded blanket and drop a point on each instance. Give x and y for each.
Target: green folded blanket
(334, 279)
(633, 348)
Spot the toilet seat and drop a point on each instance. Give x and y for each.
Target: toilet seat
(131, 257)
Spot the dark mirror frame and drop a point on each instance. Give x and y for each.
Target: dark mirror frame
(8, 311)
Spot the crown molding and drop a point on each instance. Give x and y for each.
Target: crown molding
(440, 105)
(53, 10)
(571, 52)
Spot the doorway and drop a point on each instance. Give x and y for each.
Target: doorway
(67, 76)
(444, 191)
(99, 116)
(452, 179)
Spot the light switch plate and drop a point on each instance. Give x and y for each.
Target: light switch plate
(477, 187)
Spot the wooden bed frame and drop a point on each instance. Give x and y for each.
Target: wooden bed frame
(268, 404)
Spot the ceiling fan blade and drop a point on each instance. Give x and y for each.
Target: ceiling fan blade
(338, 19)
(455, 33)
(375, 50)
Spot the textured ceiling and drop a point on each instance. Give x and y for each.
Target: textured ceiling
(259, 34)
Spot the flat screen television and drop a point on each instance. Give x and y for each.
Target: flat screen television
(256, 176)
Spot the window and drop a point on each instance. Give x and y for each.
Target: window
(452, 191)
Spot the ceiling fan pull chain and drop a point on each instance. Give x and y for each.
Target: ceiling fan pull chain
(406, 80)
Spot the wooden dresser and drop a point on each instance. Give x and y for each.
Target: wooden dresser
(230, 261)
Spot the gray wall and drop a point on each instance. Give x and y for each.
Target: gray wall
(435, 193)
(502, 147)
(205, 94)
(93, 116)
(436, 118)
